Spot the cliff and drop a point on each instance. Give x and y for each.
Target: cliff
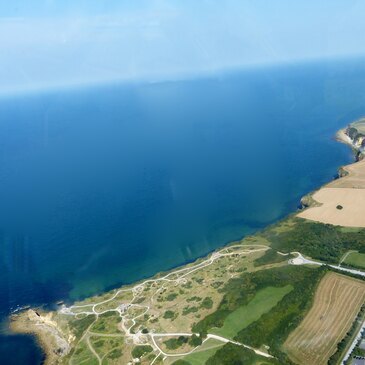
(356, 134)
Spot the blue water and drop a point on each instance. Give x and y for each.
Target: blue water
(107, 185)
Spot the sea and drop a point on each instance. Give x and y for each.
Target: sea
(108, 184)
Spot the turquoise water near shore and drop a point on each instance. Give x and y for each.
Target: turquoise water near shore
(106, 185)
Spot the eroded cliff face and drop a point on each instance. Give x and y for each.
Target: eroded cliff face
(357, 138)
(356, 132)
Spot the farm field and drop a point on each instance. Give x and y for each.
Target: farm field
(351, 202)
(355, 178)
(337, 302)
(347, 192)
(356, 259)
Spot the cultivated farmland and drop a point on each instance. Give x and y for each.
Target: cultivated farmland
(337, 301)
(342, 201)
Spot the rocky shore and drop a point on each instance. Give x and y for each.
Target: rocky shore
(354, 136)
(48, 334)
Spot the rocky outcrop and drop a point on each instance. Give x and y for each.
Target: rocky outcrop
(49, 335)
(307, 201)
(356, 132)
(354, 135)
(342, 172)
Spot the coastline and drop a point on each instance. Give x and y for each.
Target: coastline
(46, 333)
(342, 137)
(51, 338)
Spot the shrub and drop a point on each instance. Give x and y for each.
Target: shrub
(169, 315)
(207, 303)
(141, 350)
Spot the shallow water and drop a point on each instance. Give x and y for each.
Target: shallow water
(106, 185)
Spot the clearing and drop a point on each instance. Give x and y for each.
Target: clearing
(263, 301)
(355, 259)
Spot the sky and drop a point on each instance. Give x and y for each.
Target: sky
(56, 43)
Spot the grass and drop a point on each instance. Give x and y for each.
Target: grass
(356, 259)
(107, 323)
(83, 356)
(263, 301)
(207, 350)
(273, 327)
(271, 257)
(231, 354)
(350, 229)
(105, 345)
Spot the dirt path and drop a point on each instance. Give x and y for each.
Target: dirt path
(139, 337)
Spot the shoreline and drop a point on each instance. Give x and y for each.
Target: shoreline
(45, 332)
(342, 137)
(51, 338)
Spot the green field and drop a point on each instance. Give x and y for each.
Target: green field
(356, 259)
(263, 301)
(200, 357)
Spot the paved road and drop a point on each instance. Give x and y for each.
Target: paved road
(354, 343)
(301, 260)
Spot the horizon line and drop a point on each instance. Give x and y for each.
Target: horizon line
(170, 78)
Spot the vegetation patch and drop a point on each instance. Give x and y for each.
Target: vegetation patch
(140, 351)
(343, 345)
(207, 303)
(201, 355)
(175, 343)
(188, 310)
(83, 354)
(355, 259)
(79, 326)
(271, 257)
(106, 323)
(171, 297)
(169, 315)
(317, 240)
(231, 354)
(182, 362)
(115, 354)
(262, 302)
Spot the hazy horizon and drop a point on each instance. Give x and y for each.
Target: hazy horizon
(46, 44)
